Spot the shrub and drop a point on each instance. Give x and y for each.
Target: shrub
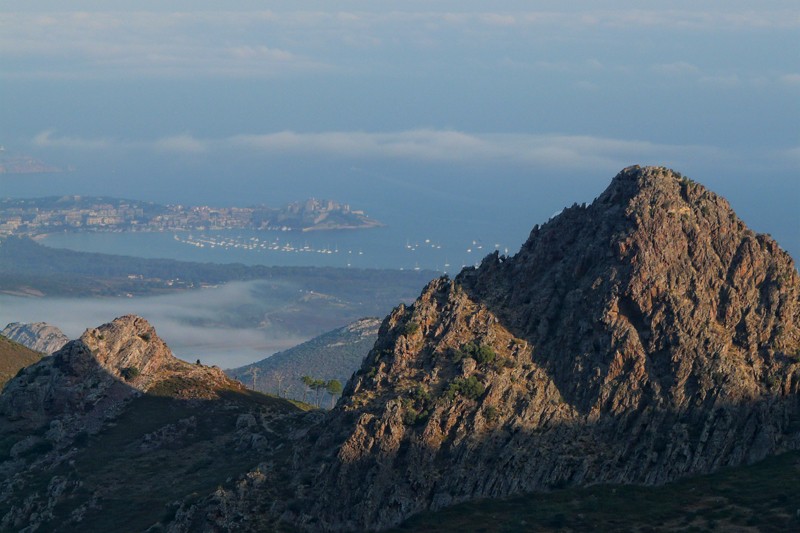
(145, 337)
(482, 353)
(409, 328)
(420, 394)
(468, 387)
(412, 417)
(129, 372)
(485, 354)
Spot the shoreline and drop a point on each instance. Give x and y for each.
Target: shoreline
(38, 237)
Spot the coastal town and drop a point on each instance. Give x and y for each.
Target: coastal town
(38, 216)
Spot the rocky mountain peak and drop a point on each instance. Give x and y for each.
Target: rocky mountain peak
(89, 379)
(645, 337)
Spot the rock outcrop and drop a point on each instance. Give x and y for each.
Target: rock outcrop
(646, 337)
(114, 415)
(38, 336)
(88, 378)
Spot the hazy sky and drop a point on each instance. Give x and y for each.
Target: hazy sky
(312, 98)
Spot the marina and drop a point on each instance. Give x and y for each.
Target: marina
(375, 248)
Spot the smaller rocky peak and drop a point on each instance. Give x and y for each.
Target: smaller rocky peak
(92, 377)
(128, 347)
(38, 336)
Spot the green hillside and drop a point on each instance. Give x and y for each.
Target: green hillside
(332, 355)
(13, 357)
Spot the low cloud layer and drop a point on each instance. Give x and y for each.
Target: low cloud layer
(50, 42)
(193, 324)
(555, 150)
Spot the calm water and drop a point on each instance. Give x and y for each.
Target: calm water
(386, 247)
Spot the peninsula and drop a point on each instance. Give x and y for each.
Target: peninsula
(38, 216)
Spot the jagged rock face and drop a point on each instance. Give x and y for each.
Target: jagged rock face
(38, 336)
(87, 380)
(645, 337)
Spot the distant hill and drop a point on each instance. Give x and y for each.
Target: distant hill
(38, 336)
(24, 164)
(333, 355)
(35, 216)
(13, 357)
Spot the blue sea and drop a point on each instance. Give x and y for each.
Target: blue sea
(388, 247)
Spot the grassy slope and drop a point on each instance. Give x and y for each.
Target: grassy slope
(759, 497)
(13, 357)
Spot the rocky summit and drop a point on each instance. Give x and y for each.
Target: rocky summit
(113, 429)
(90, 378)
(38, 336)
(643, 338)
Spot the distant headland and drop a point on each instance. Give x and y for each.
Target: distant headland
(39, 216)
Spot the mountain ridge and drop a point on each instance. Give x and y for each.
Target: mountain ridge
(644, 338)
(13, 358)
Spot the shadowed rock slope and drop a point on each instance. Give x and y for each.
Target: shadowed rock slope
(644, 338)
(113, 429)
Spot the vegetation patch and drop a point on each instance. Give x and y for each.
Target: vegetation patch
(482, 353)
(410, 327)
(415, 404)
(469, 387)
(129, 373)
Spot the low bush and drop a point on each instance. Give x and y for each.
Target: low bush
(129, 372)
(468, 387)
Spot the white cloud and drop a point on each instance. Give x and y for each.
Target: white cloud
(180, 143)
(678, 68)
(792, 154)
(45, 139)
(791, 79)
(571, 151)
(451, 146)
(269, 43)
(723, 80)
